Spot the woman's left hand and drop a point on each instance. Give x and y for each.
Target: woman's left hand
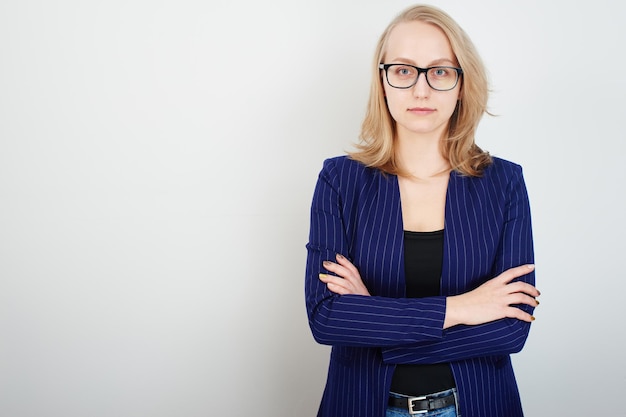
(348, 279)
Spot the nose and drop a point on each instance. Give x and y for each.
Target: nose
(421, 89)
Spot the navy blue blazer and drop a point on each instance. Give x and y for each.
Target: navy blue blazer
(356, 212)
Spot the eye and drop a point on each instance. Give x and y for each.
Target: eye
(404, 71)
(441, 72)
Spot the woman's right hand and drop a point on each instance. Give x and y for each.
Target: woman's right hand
(493, 300)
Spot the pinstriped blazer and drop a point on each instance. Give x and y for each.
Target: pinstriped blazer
(356, 212)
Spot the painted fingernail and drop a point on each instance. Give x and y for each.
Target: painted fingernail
(340, 256)
(537, 302)
(532, 318)
(326, 264)
(323, 276)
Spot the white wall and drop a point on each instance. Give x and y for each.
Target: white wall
(157, 161)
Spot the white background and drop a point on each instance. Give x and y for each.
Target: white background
(157, 163)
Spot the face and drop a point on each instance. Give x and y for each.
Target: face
(419, 110)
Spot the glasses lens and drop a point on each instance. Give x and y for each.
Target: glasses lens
(442, 78)
(401, 76)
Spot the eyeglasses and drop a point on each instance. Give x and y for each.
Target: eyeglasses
(406, 76)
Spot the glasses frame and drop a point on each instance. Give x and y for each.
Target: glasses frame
(386, 67)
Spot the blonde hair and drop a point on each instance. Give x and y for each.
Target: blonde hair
(376, 148)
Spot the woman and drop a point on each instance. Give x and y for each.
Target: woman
(419, 269)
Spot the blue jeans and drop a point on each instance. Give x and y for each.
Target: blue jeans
(449, 411)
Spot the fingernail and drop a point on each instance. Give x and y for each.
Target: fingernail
(326, 264)
(537, 302)
(531, 266)
(322, 276)
(340, 256)
(532, 318)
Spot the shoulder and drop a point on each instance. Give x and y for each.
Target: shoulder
(502, 180)
(497, 179)
(501, 166)
(502, 172)
(343, 162)
(343, 168)
(352, 181)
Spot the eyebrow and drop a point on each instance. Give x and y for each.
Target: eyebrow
(436, 62)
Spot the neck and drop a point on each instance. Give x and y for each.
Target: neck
(421, 156)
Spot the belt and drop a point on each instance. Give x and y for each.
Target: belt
(420, 405)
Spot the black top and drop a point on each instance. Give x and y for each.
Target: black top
(423, 257)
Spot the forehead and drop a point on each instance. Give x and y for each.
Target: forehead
(422, 43)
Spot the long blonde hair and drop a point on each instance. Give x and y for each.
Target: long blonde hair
(376, 148)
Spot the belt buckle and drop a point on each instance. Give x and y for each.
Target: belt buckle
(411, 411)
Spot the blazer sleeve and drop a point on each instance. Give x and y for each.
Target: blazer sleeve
(354, 320)
(499, 337)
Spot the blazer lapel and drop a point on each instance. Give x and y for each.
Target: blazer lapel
(379, 247)
(452, 233)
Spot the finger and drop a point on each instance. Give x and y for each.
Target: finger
(354, 279)
(328, 264)
(336, 282)
(522, 287)
(351, 279)
(354, 276)
(346, 263)
(520, 298)
(516, 272)
(336, 269)
(516, 313)
(337, 289)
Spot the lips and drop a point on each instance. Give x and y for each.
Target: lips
(421, 110)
